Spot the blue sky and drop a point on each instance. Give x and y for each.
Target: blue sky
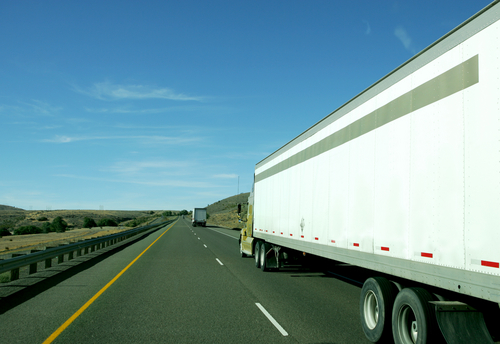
(140, 105)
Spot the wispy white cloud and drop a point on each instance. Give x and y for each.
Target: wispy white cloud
(109, 91)
(144, 138)
(152, 166)
(169, 182)
(129, 110)
(405, 38)
(368, 29)
(30, 109)
(226, 176)
(43, 108)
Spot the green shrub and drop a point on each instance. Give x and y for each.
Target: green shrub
(4, 232)
(5, 277)
(27, 230)
(59, 225)
(138, 221)
(43, 218)
(47, 228)
(107, 223)
(89, 223)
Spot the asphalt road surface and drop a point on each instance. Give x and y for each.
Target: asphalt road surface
(184, 284)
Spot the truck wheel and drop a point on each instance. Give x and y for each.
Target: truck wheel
(375, 306)
(263, 253)
(413, 319)
(256, 252)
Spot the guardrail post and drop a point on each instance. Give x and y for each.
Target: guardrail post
(48, 261)
(60, 258)
(14, 273)
(34, 266)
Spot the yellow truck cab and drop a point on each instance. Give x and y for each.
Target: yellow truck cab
(246, 234)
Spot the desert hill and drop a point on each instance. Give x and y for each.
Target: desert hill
(224, 213)
(8, 207)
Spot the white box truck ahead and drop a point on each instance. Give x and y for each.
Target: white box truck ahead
(199, 217)
(404, 179)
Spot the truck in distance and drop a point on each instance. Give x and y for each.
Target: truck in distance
(199, 217)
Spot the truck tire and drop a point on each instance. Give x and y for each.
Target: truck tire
(264, 247)
(256, 252)
(375, 306)
(413, 318)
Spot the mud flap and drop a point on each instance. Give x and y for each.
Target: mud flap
(460, 323)
(272, 256)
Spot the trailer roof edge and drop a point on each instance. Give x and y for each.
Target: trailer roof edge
(462, 32)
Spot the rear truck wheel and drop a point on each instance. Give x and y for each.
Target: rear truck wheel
(256, 252)
(264, 248)
(413, 318)
(375, 306)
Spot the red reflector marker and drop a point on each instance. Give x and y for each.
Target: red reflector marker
(333, 241)
(316, 238)
(490, 264)
(291, 234)
(384, 248)
(426, 255)
(355, 244)
(302, 236)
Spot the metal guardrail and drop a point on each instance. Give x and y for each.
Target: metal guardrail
(86, 246)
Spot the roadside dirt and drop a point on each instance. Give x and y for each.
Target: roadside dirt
(227, 219)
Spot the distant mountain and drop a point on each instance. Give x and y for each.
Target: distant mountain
(8, 207)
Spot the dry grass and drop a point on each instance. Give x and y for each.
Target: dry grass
(74, 218)
(224, 212)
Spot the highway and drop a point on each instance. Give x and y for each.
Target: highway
(184, 284)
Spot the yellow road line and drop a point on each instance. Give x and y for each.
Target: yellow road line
(89, 302)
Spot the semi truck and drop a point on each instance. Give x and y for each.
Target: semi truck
(199, 217)
(403, 180)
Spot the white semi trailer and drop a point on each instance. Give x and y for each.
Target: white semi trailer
(199, 217)
(404, 180)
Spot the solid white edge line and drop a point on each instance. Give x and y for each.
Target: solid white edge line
(271, 319)
(223, 234)
(217, 259)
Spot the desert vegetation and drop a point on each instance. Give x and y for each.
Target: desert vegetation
(224, 213)
(15, 221)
